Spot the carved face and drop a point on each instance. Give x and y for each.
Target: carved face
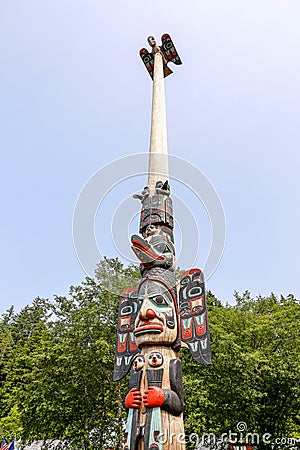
(155, 359)
(138, 363)
(156, 322)
(151, 41)
(127, 310)
(192, 292)
(151, 230)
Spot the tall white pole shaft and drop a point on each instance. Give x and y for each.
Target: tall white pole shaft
(158, 153)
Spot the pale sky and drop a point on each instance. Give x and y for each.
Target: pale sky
(75, 96)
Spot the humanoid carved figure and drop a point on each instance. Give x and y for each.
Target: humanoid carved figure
(154, 321)
(159, 316)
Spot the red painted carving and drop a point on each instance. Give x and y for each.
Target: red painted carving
(133, 399)
(153, 397)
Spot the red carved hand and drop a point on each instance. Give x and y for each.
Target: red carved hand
(133, 399)
(153, 397)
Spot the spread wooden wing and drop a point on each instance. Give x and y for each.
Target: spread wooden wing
(148, 60)
(169, 50)
(193, 313)
(126, 347)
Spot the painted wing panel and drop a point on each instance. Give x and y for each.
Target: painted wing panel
(126, 347)
(194, 329)
(148, 60)
(169, 50)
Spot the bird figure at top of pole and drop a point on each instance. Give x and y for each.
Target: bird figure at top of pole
(161, 315)
(167, 50)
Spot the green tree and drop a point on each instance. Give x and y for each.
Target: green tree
(56, 366)
(255, 373)
(59, 365)
(23, 338)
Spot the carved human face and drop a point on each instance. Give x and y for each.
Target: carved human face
(138, 363)
(151, 230)
(155, 359)
(156, 322)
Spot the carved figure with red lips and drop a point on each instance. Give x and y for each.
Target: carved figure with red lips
(149, 327)
(159, 392)
(154, 319)
(157, 321)
(155, 397)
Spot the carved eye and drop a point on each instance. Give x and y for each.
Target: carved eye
(195, 291)
(126, 310)
(184, 281)
(197, 308)
(159, 299)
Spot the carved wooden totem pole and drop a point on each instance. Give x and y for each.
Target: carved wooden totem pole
(159, 316)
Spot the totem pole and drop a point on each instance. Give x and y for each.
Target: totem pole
(159, 316)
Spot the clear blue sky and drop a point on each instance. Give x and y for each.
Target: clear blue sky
(75, 96)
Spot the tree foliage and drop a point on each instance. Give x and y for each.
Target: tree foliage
(255, 373)
(56, 365)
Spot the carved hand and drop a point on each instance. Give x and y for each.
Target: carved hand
(133, 399)
(153, 397)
